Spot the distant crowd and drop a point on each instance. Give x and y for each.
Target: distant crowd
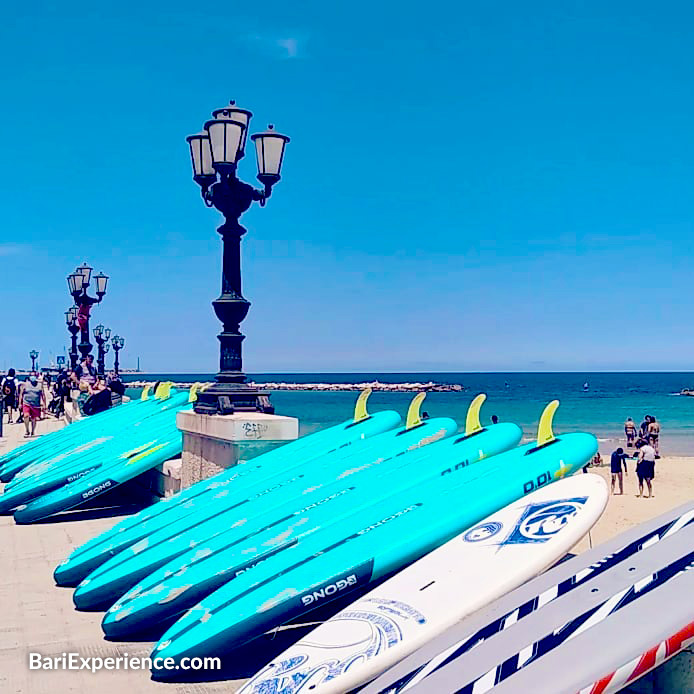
(38, 396)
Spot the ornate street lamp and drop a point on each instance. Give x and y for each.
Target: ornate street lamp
(101, 336)
(78, 283)
(215, 154)
(117, 343)
(74, 328)
(34, 356)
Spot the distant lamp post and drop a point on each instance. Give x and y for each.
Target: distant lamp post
(117, 343)
(74, 328)
(215, 154)
(34, 356)
(78, 283)
(101, 336)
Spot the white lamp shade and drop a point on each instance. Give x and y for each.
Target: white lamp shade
(201, 155)
(107, 333)
(121, 342)
(101, 282)
(106, 347)
(240, 115)
(86, 273)
(269, 150)
(226, 137)
(98, 331)
(75, 282)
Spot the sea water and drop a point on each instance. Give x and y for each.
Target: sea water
(600, 409)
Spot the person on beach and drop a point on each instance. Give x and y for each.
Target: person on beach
(33, 402)
(643, 429)
(654, 435)
(630, 431)
(495, 419)
(8, 388)
(597, 460)
(617, 460)
(645, 468)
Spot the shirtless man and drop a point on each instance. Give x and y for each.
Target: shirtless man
(630, 431)
(654, 435)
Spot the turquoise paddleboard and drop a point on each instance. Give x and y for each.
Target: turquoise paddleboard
(236, 513)
(254, 474)
(390, 535)
(180, 584)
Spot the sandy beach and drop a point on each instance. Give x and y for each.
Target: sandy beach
(40, 617)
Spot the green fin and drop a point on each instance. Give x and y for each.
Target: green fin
(414, 418)
(472, 421)
(194, 390)
(145, 392)
(360, 412)
(544, 430)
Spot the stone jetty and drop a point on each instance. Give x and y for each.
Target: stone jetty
(430, 386)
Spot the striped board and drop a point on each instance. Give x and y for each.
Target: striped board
(383, 539)
(498, 554)
(544, 621)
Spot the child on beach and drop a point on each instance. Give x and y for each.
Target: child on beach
(645, 468)
(617, 460)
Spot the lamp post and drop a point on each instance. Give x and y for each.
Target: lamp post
(78, 282)
(34, 356)
(117, 342)
(71, 321)
(215, 154)
(101, 335)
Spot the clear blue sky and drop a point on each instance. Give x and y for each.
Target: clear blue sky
(487, 185)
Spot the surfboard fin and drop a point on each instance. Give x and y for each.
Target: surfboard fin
(472, 421)
(193, 393)
(145, 392)
(360, 412)
(163, 390)
(545, 434)
(414, 418)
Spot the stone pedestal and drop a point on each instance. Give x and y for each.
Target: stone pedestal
(212, 443)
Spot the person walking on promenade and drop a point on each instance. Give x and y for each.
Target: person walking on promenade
(630, 431)
(8, 388)
(33, 401)
(617, 460)
(645, 469)
(654, 436)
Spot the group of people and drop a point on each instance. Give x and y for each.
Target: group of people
(28, 399)
(645, 440)
(648, 432)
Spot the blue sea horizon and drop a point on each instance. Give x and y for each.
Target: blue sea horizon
(513, 396)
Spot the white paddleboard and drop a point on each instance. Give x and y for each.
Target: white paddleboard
(463, 575)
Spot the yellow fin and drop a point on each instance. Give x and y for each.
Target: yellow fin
(360, 412)
(414, 418)
(472, 421)
(193, 393)
(145, 392)
(163, 390)
(544, 430)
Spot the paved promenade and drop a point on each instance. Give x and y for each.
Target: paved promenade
(37, 616)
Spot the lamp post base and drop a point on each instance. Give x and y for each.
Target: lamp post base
(227, 398)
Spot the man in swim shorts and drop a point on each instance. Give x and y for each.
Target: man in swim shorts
(645, 468)
(654, 435)
(630, 431)
(616, 463)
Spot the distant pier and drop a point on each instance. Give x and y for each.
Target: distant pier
(430, 386)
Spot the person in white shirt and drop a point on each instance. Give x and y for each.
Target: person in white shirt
(645, 468)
